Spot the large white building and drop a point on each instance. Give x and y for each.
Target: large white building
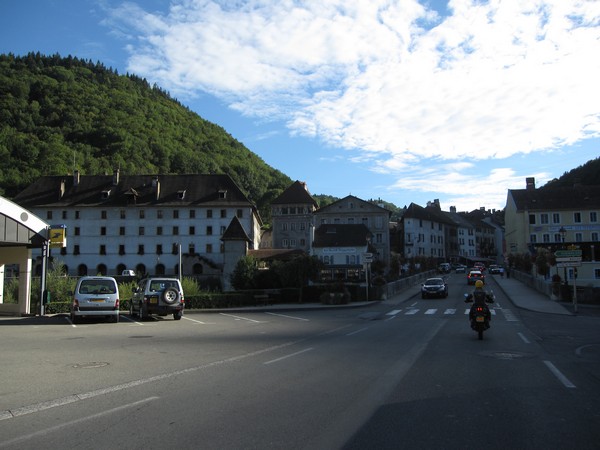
(148, 223)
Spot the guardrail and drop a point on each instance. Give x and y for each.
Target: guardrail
(400, 285)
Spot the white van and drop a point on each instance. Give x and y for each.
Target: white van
(95, 296)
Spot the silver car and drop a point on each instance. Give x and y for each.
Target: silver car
(95, 296)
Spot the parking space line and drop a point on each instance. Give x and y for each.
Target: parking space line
(240, 318)
(288, 317)
(288, 356)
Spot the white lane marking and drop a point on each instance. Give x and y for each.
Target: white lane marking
(523, 338)
(288, 317)
(288, 356)
(10, 413)
(493, 311)
(411, 312)
(394, 312)
(450, 311)
(558, 374)
(357, 331)
(467, 310)
(240, 318)
(414, 304)
(194, 320)
(68, 319)
(70, 423)
(431, 311)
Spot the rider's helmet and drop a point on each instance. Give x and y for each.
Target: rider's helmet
(478, 284)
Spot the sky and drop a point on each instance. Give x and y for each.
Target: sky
(408, 101)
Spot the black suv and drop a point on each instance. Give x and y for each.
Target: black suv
(159, 296)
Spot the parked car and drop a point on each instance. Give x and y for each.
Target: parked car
(460, 269)
(95, 296)
(494, 269)
(479, 266)
(444, 268)
(434, 287)
(475, 275)
(160, 296)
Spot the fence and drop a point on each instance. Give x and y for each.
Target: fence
(395, 287)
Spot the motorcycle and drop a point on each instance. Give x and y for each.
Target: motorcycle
(479, 315)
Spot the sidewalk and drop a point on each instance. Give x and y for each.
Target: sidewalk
(528, 298)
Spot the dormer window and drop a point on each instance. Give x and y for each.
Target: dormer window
(105, 194)
(222, 194)
(181, 195)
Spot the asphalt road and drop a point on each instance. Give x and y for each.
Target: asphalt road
(413, 376)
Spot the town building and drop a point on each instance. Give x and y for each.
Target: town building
(556, 218)
(352, 210)
(153, 224)
(292, 218)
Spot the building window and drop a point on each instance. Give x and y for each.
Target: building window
(159, 231)
(77, 214)
(223, 229)
(76, 249)
(240, 213)
(192, 213)
(142, 214)
(223, 213)
(597, 274)
(64, 214)
(121, 231)
(209, 213)
(159, 249)
(102, 250)
(285, 243)
(48, 214)
(284, 210)
(532, 219)
(209, 230)
(140, 249)
(175, 231)
(141, 231)
(63, 250)
(175, 249)
(577, 217)
(102, 231)
(208, 248)
(76, 231)
(557, 237)
(121, 249)
(302, 226)
(222, 248)
(175, 214)
(578, 237)
(192, 231)
(595, 237)
(302, 242)
(593, 216)
(284, 226)
(122, 214)
(103, 215)
(159, 214)
(555, 218)
(544, 219)
(292, 227)
(546, 238)
(191, 249)
(533, 238)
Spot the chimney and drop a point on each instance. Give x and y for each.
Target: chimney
(76, 178)
(530, 183)
(453, 209)
(62, 188)
(156, 186)
(116, 177)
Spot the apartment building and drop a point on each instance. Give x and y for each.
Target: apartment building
(149, 223)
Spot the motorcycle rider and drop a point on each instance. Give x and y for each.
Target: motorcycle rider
(480, 297)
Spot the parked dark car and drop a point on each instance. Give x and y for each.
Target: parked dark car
(161, 296)
(434, 287)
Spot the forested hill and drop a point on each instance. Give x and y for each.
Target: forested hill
(60, 113)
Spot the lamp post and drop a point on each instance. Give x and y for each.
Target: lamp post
(563, 233)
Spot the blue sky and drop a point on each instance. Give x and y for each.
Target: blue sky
(404, 100)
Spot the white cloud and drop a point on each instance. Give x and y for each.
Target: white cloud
(391, 80)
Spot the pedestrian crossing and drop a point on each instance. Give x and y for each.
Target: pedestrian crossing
(413, 311)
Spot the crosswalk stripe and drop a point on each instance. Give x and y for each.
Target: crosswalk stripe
(431, 311)
(450, 311)
(411, 312)
(393, 312)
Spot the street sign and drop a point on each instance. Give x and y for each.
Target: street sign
(569, 259)
(569, 264)
(368, 257)
(567, 253)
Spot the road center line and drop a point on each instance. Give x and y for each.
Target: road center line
(558, 374)
(288, 356)
(522, 336)
(357, 331)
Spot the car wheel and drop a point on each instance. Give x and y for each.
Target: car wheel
(73, 319)
(143, 313)
(170, 296)
(177, 315)
(131, 308)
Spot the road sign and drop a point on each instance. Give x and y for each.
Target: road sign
(368, 257)
(569, 264)
(569, 259)
(567, 253)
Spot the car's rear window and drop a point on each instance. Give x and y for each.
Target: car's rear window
(97, 287)
(161, 285)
